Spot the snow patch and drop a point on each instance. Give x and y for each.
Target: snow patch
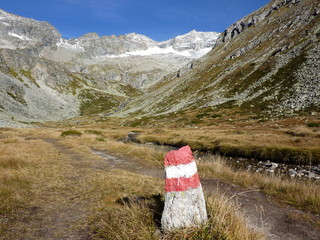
(5, 23)
(158, 50)
(19, 36)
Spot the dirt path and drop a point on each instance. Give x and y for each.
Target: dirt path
(62, 218)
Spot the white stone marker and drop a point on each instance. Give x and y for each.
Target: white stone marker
(184, 200)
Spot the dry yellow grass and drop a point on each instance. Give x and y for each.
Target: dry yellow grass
(47, 179)
(136, 220)
(28, 172)
(301, 194)
(298, 145)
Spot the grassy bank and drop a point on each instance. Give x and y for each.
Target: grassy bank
(299, 146)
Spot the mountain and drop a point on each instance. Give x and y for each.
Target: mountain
(265, 65)
(19, 32)
(45, 77)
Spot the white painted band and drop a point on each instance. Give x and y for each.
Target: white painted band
(183, 170)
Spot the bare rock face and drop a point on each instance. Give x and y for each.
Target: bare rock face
(250, 21)
(184, 199)
(19, 32)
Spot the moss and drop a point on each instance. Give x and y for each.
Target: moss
(94, 102)
(237, 80)
(216, 115)
(71, 133)
(202, 115)
(130, 91)
(13, 73)
(95, 132)
(17, 98)
(228, 104)
(313, 124)
(76, 83)
(27, 73)
(195, 122)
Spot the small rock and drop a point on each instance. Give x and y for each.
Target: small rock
(311, 175)
(292, 172)
(267, 164)
(316, 170)
(300, 175)
(274, 165)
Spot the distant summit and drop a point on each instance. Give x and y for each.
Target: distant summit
(19, 32)
(44, 76)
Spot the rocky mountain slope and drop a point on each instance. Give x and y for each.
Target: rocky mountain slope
(264, 65)
(46, 77)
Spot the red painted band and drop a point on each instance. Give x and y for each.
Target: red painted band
(182, 184)
(181, 156)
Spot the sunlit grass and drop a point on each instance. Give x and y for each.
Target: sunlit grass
(34, 175)
(136, 220)
(301, 194)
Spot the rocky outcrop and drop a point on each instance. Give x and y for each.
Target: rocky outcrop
(192, 40)
(19, 32)
(250, 21)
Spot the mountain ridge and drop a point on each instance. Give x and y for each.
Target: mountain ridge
(264, 66)
(103, 71)
(268, 70)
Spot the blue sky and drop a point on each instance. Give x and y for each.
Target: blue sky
(157, 19)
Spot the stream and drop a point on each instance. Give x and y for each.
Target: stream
(250, 165)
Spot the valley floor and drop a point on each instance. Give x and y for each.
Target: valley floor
(55, 187)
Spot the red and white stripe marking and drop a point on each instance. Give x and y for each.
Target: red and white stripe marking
(181, 171)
